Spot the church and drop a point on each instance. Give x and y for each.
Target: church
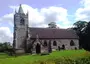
(41, 40)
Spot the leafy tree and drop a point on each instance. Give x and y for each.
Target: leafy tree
(86, 37)
(52, 25)
(5, 46)
(1, 47)
(79, 27)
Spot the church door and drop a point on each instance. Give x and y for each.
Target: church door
(38, 48)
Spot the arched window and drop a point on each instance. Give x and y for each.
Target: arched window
(45, 43)
(72, 43)
(22, 21)
(54, 43)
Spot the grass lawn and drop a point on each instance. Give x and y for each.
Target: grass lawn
(30, 59)
(3, 56)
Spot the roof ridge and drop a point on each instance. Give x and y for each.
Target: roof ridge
(46, 28)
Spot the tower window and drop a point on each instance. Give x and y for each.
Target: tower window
(72, 43)
(22, 21)
(54, 43)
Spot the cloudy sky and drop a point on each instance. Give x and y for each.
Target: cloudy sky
(41, 12)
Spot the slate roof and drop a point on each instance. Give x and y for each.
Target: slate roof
(52, 33)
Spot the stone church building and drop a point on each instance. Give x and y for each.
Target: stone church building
(40, 40)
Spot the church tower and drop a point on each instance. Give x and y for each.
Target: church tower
(20, 29)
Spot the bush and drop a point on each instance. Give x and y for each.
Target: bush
(64, 60)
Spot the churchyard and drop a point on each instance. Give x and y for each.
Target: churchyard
(56, 57)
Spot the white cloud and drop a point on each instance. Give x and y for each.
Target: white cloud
(85, 3)
(64, 27)
(55, 14)
(37, 18)
(7, 18)
(41, 16)
(5, 34)
(83, 13)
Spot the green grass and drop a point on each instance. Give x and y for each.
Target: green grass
(3, 56)
(29, 59)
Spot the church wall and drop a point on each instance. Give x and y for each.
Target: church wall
(66, 42)
(19, 51)
(21, 34)
(44, 48)
(20, 29)
(59, 42)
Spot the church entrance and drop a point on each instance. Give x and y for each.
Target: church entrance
(38, 48)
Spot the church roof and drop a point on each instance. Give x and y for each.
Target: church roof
(52, 33)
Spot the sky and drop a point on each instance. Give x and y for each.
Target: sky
(42, 12)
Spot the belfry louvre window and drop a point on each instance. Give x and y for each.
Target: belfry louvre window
(72, 43)
(22, 21)
(54, 43)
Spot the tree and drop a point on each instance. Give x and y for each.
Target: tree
(86, 37)
(5, 46)
(52, 25)
(79, 27)
(1, 47)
